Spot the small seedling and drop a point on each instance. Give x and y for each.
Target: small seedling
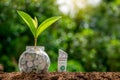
(33, 24)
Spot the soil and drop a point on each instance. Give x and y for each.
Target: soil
(61, 76)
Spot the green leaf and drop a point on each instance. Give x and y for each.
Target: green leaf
(46, 24)
(35, 21)
(29, 21)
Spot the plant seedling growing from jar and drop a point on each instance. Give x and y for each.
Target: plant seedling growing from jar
(35, 59)
(33, 24)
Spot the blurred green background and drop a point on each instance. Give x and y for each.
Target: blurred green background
(90, 35)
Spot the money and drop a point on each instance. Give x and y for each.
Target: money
(34, 61)
(62, 61)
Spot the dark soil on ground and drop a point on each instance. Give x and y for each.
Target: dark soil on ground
(61, 76)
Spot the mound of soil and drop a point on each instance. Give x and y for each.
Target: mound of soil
(61, 76)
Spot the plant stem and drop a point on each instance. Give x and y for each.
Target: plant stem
(35, 42)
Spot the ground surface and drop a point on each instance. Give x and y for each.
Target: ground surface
(61, 76)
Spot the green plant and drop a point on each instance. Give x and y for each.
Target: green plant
(33, 24)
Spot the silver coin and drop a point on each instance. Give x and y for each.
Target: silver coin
(29, 64)
(29, 57)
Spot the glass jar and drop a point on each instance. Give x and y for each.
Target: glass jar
(34, 60)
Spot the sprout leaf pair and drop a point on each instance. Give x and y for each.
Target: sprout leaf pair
(33, 24)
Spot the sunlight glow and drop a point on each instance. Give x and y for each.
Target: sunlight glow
(71, 6)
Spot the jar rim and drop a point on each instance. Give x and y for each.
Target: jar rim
(40, 47)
